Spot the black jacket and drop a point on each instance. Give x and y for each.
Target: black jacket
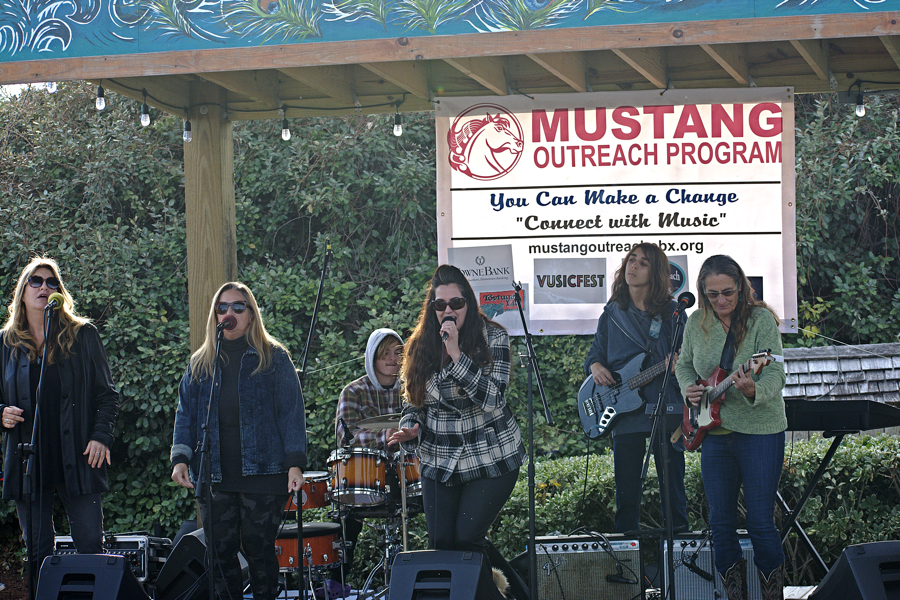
(89, 407)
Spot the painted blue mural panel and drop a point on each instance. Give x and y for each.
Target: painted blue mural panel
(36, 29)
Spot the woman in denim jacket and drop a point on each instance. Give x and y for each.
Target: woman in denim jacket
(257, 439)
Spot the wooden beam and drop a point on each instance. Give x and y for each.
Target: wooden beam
(813, 52)
(261, 86)
(335, 82)
(411, 76)
(892, 45)
(489, 71)
(649, 62)
(209, 204)
(576, 39)
(570, 67)
(732, 58)
(168, 93)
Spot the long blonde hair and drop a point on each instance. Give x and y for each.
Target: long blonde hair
(259, 339)
(65, 325)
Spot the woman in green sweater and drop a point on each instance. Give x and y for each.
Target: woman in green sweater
(748, 448)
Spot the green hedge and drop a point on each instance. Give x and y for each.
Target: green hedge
(105, 197)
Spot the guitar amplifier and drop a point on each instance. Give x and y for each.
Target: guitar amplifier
(697, 548)
(145, 554)
(607, 567)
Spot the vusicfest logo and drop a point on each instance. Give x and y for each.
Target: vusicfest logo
(485, 142)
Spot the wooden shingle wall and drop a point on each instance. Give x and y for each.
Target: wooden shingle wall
(865, 372)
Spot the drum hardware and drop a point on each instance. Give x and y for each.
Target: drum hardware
(389, 421)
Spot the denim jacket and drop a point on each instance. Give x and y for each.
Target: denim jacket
(273, 424)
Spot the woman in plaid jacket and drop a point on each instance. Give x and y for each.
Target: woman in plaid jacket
(455, 415)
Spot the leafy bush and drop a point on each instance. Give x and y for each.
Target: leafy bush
(106, 199)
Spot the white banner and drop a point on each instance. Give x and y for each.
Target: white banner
(570, 182)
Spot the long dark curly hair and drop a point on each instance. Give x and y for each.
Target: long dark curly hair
(660, 282)
(424, 349)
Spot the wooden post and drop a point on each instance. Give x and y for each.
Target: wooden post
(209, 200)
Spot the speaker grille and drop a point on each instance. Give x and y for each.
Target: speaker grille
(690, 586)
(576, 567)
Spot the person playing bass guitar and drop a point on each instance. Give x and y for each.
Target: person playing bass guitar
(747, 449)
(636, 324)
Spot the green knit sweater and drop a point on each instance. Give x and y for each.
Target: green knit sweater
(700, 355)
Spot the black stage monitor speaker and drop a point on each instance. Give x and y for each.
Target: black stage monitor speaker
(87, 577)
(442, 575)
(183, 575)
(606, 567)
(863, 572)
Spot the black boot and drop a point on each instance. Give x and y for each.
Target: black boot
(772, 585)
(735, 581)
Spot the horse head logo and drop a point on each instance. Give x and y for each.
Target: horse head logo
(485, 142)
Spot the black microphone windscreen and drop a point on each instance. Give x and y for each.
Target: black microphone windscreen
(228, 322)
(687, 298)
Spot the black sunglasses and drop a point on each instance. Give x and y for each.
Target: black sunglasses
(37, 281)
(454, 303)
(236, 307)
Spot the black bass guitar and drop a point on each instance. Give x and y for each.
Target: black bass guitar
(600, 405)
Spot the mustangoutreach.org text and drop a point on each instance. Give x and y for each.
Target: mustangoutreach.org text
(599, 247)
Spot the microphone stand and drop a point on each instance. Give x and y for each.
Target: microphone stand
(301, 375)
(206, 468)
(658, 436)
(27, 454)
(532, 368)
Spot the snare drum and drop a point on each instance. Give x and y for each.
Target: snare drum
(358, 476)
(321, 541)
(313, 493)
(413, 485)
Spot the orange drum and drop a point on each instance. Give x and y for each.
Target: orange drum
(321, 541)
(358, 476)
(413, 485)
(314, 493)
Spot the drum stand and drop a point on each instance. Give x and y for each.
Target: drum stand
(393, 544)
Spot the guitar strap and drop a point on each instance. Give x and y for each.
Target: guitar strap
(727, 359)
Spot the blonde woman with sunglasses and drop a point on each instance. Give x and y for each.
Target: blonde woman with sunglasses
(76, 414)
(257, 439)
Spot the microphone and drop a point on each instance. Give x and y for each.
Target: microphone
(54, 301)
(227, 323)
(685, 301)
(347, 438)
(445, 335)
(691, 563)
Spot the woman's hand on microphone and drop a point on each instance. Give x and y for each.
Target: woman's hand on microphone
(448, 327)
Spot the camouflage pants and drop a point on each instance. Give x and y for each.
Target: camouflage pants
(249, 523)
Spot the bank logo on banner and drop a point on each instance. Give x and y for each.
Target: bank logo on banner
(485, 142)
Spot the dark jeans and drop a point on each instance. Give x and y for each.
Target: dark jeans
(628, 459)
(754, 462)
(459, 516)
(85, 515)
(249, 523)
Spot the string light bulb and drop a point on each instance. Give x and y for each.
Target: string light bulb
(285, 130)
(398, 125)
(100, 104)
(51, 87)
(145, 114)
(860, 105)
(187, 137)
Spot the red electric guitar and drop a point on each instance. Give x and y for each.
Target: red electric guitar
(705, 416)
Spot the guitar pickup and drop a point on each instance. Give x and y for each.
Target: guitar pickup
(589, 407)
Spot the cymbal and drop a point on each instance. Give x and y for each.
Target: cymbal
(391, 421)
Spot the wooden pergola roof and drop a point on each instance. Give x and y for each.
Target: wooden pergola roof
(817, 53)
